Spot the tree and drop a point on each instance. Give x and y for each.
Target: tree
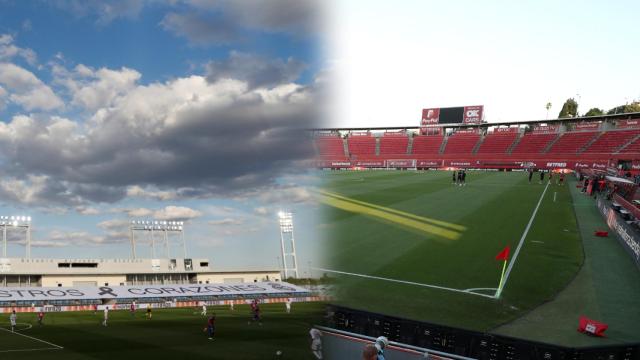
(569, 109)
(623, 109)
(594, 112)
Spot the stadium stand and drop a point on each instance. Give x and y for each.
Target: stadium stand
(559, 143)
(497, 142)
(362, 145)
(427, 144)
(532, 143)
(572, 142)
(461, 143)
(611, 141)
(393, 145)
(633, 147)
(330, 146)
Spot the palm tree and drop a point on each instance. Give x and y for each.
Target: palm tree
(548, 106)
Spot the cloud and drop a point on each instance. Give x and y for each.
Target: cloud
(201, 29)
(256, 71)
(185, 138)
(225, 221)
(116, 224)
(176, 213)
(103, 11)
(277, 16)
(83, 210)
(26, 90)
(139, 212)
(59, 238)
(92, 90)
(9, 51)
(261, 210)
(138, 191)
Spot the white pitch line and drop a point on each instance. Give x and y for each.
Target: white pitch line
(31, 337)
(476, 289)
(524, 235)
(405, 282)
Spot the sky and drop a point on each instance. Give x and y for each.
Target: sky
(183, 110)
(393, 59)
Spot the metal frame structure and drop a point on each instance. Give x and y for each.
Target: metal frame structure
(286, 234)
(153, 226)
(16, 222)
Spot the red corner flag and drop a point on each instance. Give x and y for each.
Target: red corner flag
(504, 254)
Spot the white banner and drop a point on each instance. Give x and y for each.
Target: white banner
(145, 291)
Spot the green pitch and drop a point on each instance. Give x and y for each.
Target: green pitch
(171, 334)
(431, 246)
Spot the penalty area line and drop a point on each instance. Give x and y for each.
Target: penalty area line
(468, 291)
(33, 338)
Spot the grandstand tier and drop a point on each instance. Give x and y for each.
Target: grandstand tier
(461, 143)
(614, 141)
(497, 142)
(427, 144)
(393, 145)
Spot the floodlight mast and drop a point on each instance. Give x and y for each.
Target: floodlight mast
(286, 234)
(16, 222)
(153, 226)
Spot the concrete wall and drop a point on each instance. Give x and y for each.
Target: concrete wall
(68, 280)
(245, 277)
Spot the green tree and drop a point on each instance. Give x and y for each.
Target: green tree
(623, 109)
(594, 112)
(569, 109)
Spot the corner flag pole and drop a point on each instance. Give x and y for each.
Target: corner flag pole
(504, 268)
(503, 255)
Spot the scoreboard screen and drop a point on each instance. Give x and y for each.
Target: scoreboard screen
(452, 115)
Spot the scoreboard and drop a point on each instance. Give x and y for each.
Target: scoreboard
(451, 115)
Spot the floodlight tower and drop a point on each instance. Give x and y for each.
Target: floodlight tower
(286, 234)
(16, 222)
(153, 226)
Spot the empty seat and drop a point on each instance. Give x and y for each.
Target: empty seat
(531, 143)
(461, 143)
(429, 144)
(572, 142)
(330, 146)
(362, 145)
(611, 141)
(393, 145)
(497, 142)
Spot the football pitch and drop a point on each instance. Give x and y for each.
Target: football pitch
(170, 334)
(413, 245)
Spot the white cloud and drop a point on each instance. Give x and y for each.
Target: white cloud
(9, 51)
(225, 221)
(92, 90)
(117, 224)
(137, 191)
(84, 210)
(26, 90)
(139, 212)
(261, 210)
(176, 213)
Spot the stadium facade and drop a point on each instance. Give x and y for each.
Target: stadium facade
(16, 272)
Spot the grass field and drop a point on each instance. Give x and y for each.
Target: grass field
(171, 334)
(441, 240)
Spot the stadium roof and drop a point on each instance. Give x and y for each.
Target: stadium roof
(624, 116)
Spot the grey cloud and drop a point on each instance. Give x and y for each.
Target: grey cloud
(255, 70)
(201, 29)
(290, 16)
(185, 138)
